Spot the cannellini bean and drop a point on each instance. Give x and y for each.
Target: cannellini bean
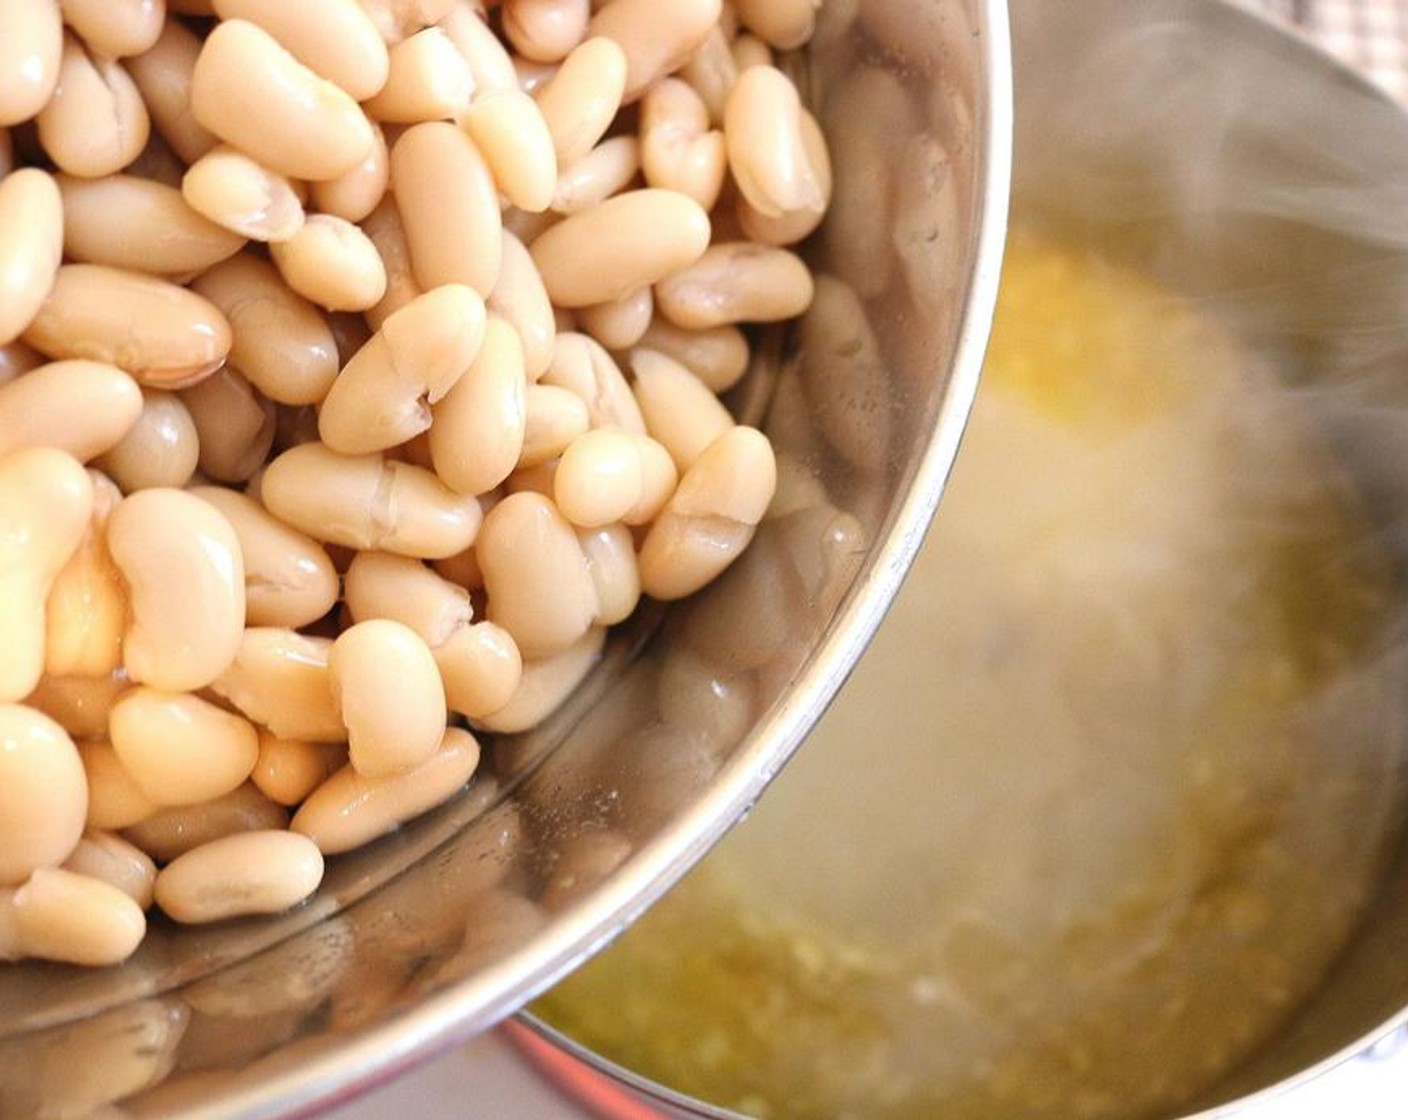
(288, 770)
(520, 299)
(60, 916)
(279, 340)
(607, 475)
(279, 679)
(336, 39)
(180, 749)
(619, 325)
(252, 93)
(596, 176)
(679, 151)
(428, 80)
(489, 63)
(31, 245)
(711, 72)
(383, 226)
(162, 334)
(680, 411)
(237, 193)
(536, 578)
(43, 793)
(784, 24)
(80, 705)
(736, 282)
(234, 422)
(139, 224)
(367, 502)
(394, 720)
(383, 396)
(110, 858)
(454, 236)
(160, 449)
(116, 28)
(553, 418)
(545, 30)
(383, 585)
(163, 77)
(86, 610)
(31, 45)
(172, 832)
(711, 517)
(92, 87)
(513, 137)
(625, 243)
(332, 263)
(580, 101)
(581, 365)
(788, 227)
(545, 684)
(657, 36)
(185, 581)
(46, 500)
(289, 579)
(114, 801)
(749, 51)
(261, 872)
(480, 667)
(478, 432)
(351, 809)
(611, 559)
(355, 193)
(80, 407)
(718, 356)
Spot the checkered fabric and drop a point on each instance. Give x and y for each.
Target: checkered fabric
(1369, 34)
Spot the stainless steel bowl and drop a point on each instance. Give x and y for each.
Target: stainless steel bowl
(1240, 165)
(571, 830)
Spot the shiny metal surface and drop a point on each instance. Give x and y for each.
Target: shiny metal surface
(569, 831)
(1239, 164)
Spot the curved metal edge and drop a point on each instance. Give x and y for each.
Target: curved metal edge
(454, 1016)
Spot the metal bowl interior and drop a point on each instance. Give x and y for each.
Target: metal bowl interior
(570, 830)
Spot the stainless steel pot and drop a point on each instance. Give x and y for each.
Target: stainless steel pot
(571, 830)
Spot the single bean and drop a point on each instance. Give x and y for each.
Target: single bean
(351, 809)
(594, 177)
(86, 610)
(46, 500)
(718, 356)
(31, 246)
(428, 80)
(336, 39)
(608, 475)
(289, 770)
(279, 679)
(582, 98)
(115, 29)
(79, 705)
(163, 78)
(711, 517)
(333, 263)
(536, 578)
(383, 585)
(170, 833)
(163, 335)
(477, 435)
(383, 396)
(736, 282)
(394, 720)
(786, 25)
(138, 224)
(383, 225)
(545, 30)
(31, 45)
(454, 237)
(249, 91)
(279, 340)
(625, 243)
(108, 857)
(235, 423)
(480, 667)
(43, 793)
(553, 418)
(680, 410)
(114, 801)
(289, 579)
(185, 582)
(679, 151)
(583, 863)
(711, 72)
(620, 324)
(749, 51)
(611, 559)
(354, 194)
(657, 36)
(546, 684)
(581, 365)
(60, 916)
(695, 694)
(792, 226)
(520, 298)
(160, 449)
(489, 62)
(92, 87)
(261, 872)
(513, 137)
(237, 193)
(927, 238)
(367, 502)
(80, 407)
(180, 749)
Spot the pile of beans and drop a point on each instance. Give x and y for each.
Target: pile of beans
(359, 364)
